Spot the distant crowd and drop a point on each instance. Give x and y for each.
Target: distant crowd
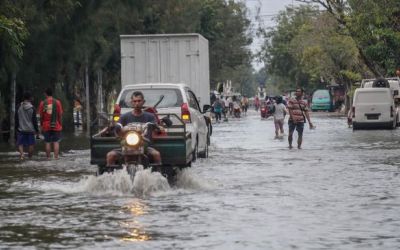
(278, 106)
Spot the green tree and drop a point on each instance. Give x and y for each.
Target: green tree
(12, 35)
(66, 37)
(374, 26)
(308, 48)
(280, 47)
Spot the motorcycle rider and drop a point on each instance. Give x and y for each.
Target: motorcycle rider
(236, 108)
(136, 115)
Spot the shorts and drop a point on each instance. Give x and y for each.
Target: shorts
(278, 123)
(52, 136)
(25, 139)
(298, 126)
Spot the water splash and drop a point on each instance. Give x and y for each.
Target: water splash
(147, 183)
(187, 179)
(118, 183)
(115, 183)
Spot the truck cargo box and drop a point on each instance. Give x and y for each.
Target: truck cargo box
(172, 58)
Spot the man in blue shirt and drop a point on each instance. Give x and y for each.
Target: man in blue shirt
(136, 115)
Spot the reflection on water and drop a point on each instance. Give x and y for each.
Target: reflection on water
(340, 192)
(136, 208)
(137, 235)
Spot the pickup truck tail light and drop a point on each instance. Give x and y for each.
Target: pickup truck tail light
(116, 113)
(353, 112)
(185, 113)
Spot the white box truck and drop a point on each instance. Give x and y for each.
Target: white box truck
(167, 58)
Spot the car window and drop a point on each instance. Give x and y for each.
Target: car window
(372, 97)
(192, 100)
(172, 97)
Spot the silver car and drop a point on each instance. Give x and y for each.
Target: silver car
(178, 99)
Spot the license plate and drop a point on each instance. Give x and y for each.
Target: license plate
(373, 116)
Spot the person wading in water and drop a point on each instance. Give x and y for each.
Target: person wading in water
(298, 113)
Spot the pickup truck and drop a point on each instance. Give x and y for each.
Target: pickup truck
(175, 145)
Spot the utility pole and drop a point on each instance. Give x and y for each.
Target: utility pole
(12, 109)
(100, 103)
(100, 90)
(87, 97)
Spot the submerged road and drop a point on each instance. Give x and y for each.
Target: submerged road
(341, 191)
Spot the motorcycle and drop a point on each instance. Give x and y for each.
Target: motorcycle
(236, 111)
(134, 142)
(264, 112)
(133, 148)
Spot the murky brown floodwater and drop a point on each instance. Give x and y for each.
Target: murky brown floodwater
(341, 191)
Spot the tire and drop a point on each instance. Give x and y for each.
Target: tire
(100, 170)
(195, 152)
(204, 154)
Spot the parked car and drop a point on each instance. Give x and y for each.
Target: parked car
(392, 82)
(178, 99)
(374, 108)
(322, 100)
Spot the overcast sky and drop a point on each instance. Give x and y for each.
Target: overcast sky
(269, 9)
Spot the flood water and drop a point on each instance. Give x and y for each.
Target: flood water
(341, 191)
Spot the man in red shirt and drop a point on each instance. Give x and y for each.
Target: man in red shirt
(298, 113)
(51, 111)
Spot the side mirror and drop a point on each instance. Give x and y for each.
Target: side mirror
(167, 121)
(396, 92)
(206, 107)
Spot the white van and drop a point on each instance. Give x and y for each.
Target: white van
(393, 83)
(373, 108)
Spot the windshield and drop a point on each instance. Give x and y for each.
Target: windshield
(321, 94)
(372, 97)
(172, 97)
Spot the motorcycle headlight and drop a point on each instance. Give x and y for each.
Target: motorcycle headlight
(132, 139)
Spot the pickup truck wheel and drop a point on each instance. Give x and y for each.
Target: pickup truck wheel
(195, 152)
(100, 170)
(204, 154)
